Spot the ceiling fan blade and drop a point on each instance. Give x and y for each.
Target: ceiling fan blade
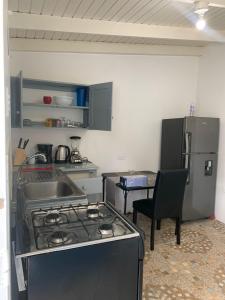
(217, 3)
(213, 3)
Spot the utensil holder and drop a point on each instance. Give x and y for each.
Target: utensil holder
(20, 156)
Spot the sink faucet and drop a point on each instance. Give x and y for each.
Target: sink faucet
(36, 155)
(42, 156)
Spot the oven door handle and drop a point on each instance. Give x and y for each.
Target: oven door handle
(19, 271)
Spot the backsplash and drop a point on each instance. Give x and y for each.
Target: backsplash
(55, 136)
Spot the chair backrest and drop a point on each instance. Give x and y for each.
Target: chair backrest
(169, 193)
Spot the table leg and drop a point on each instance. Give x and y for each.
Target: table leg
(125, 202)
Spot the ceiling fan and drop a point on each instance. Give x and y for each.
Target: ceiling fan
(201, 7)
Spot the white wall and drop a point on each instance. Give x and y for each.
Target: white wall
(5, 283)
(211, 102)
(145, 90)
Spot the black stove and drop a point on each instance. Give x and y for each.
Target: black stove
(68, 225)
(89, 251)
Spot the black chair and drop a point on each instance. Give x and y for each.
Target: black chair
(167, 201)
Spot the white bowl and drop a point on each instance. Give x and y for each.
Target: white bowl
(63, 100)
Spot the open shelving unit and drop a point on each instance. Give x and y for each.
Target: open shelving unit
(27, 94)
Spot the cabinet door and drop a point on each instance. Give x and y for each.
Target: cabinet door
(16, 100)
(92, 187)
(100, 106)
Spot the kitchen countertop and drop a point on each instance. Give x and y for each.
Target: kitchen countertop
(114, 176)
(127, 173)
(64, 167)
(22, 205)
(86, 166)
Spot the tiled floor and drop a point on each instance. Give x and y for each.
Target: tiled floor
(194, 270)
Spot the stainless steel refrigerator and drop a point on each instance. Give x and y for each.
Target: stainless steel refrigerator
(192, 143)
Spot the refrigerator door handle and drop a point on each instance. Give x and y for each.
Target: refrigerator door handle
(187, 142)
(187, 166)
(187, 153)
(186, 162)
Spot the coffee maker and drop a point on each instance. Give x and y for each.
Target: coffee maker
(47, 150)
(75, 156)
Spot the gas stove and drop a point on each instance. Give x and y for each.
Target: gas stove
(98, 253)
(75, 226)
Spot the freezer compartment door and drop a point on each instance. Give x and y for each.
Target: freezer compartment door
(203, 134)
(199, 198)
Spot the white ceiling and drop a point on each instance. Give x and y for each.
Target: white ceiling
(155, 17)
(157, 12)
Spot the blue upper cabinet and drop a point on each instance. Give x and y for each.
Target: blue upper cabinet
(92, 111)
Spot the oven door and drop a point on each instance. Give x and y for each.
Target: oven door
(141, 251)
(109, 270)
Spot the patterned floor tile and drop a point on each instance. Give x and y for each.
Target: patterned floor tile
(194, 270)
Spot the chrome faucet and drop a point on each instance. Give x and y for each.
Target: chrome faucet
(19, 179)
(36, 155)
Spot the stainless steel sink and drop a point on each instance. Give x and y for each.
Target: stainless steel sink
(44, 189)
(47, 190)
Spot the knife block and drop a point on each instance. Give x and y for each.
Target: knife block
(20, 156)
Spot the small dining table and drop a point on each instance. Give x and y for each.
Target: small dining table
(150, 184)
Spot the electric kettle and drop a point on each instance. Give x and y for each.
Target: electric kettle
(62, 154)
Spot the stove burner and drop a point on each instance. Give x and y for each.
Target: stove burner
(61, 226)
(53, 217)
(59, 237)
(106, 230)
(93, 213)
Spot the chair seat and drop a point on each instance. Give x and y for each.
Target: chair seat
(145, 206)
